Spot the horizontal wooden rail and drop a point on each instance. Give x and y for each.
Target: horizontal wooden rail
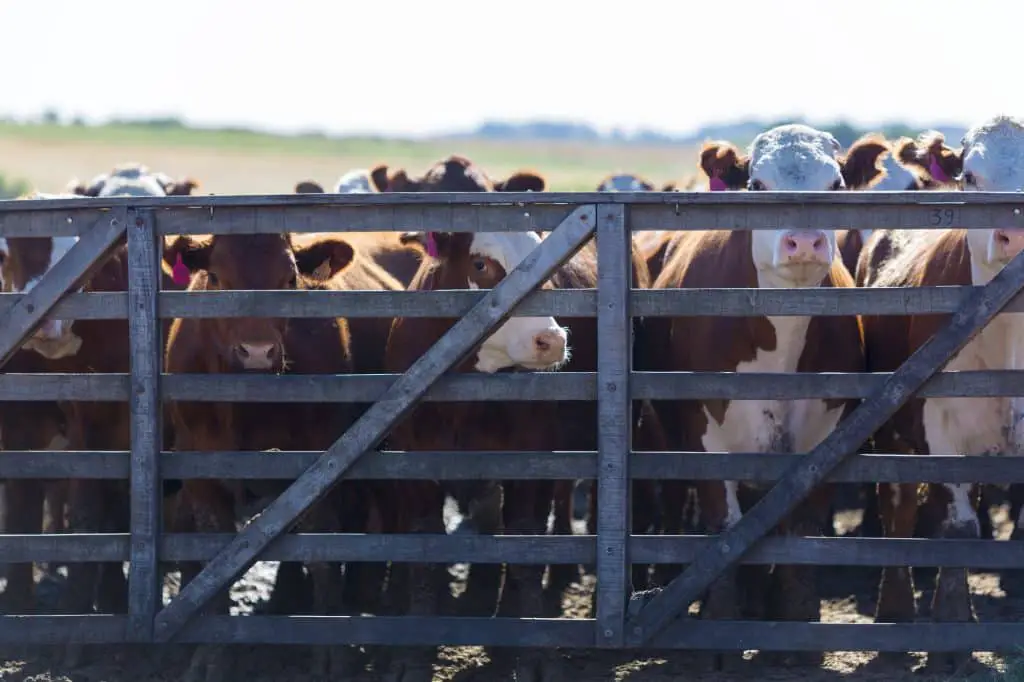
(528, 632)
(525, 549)
(565, 303)
(499, 211)
(480, 466)
(527, 386)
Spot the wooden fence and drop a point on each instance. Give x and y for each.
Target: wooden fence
(573, 219)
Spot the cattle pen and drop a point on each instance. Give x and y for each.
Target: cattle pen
(621, 621)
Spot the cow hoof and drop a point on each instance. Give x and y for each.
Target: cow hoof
(715, 662)
(944, 664)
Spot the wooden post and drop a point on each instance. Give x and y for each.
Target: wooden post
(727, 548)
(614, 422)
(375, 423)
(144, 579)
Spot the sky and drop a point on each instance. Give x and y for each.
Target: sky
(408, 67)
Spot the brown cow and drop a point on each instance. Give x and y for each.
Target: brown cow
(454, 174)
(992, 159)
(265, 345)
(790, 157)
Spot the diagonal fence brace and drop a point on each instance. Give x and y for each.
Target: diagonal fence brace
(81, 260)
(374, 424)
(658, 608)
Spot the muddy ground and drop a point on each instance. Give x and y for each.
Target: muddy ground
(848, 596)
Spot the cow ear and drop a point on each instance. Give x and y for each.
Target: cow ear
(324, 258)
(722, 161)
(180, 188)
(399, 181)
(930, 156)
(522, 181)
(379, 177)
(862, 164)
(192, 253)
(309, 187)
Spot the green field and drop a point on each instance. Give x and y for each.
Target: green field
(244, 161)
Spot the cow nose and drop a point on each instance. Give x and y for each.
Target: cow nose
(550, 345)
(1008, 242)
(256, 355)
(801, 246)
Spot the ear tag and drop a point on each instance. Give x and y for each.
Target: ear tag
(717, 184)
(431, 245)
(180, 273)
(936, 170)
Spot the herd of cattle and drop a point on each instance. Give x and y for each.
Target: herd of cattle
(791, 157)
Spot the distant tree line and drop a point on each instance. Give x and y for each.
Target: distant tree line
(739, 132)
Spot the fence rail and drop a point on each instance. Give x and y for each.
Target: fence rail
(613, 386)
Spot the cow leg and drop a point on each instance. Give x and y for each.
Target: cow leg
(525, 509)
(952, 599)
(422, 504)
(23, 507)
(483, 587)
(720, 510)
(213, 511)
(871, 521)
(561, 576)
(898, 508)
(794, 595)
(112, 594)
(673, 505)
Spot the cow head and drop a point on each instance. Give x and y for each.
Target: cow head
(990, 160)
(479, 261)
(256, 262)
(309, 187)
(24, 261)
(454, 174)
(135, 180)
(797, 157)
(625, 182)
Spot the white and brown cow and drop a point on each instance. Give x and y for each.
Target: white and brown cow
(788, 157)
(991, 159)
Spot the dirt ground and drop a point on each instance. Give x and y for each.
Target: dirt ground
(848, 596)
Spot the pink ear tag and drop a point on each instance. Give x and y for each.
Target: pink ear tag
(431, 245)
(936, 170)
(717, 184)
(180, 273)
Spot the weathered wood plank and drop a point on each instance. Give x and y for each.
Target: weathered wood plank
(520, 386)
(575, 302)
(865, 200)
(273, 220)
(484, 466)
(552, 633)
(19, 321)
(811, 470)
(374, 424)
(69, 222)
(145, 581)
(614, 422)
(526, 549)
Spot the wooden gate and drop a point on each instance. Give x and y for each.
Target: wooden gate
(646, 619)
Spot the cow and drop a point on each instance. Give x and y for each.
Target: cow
(455, 174)
(625, 182)
(991, 159)
(355, 181)
(133, 179)
(265, 346)
(789, 157)
(386, 249)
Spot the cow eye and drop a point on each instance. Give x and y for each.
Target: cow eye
(293, 282)
(969, 179)
(212, 279)
(837, 185)
(479, 264)
(755, 186)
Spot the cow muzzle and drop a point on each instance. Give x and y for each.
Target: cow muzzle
(257, 355)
